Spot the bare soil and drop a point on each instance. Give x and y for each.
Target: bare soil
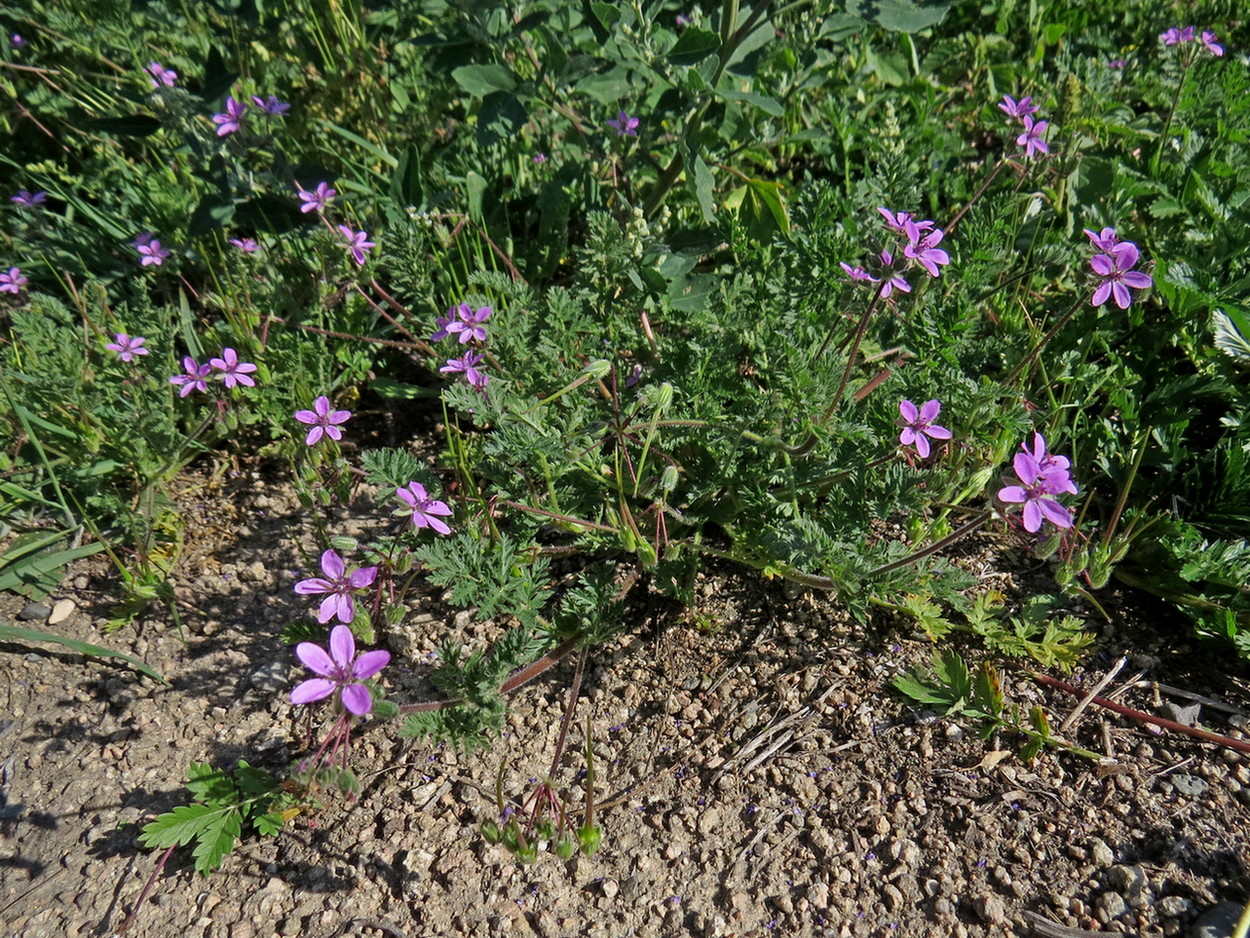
(762, 775)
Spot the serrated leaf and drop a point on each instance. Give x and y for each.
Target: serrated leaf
(216, 841)
(1228, 338)
(178, 827)
(953, 672)
(210, 785)
(921, 692)
(270, 823)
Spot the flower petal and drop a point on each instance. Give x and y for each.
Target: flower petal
(332, 564)
(1055, 513)
(314, 658)
(930, 410)
(1012, 494)
(909, 411)
(357, 700)
(313, 689)
(1032, 516)
(370, 663)
(342, 646)
(313, 586)
(938, 433)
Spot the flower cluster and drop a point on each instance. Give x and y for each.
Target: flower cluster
(1022, 112)
(1179, 35)
(1114, 265)
(467, 325)
(919, 247)
(232, 119)
(195, 376)
(1041, 476)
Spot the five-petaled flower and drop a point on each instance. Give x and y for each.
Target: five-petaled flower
(469, 323)
(467, 363)
(1031, 139)
(624, 125)
(150, 250)
(920, 427)
(925, 250)
(323, 420)
(337, 584)
(358, 243)
(896, 280)
(340, 671)
(1116, 270)
(425, 511)
(1017, 110)
(246, 245)
(316, 200)
(126, 347)
(193, 378)
(12, 281)
(1042, 476)
(1177, 35)
(234, 372)
(271, 105)
(27, 199)
(158, 75)
(1104, 240)
(231, 120)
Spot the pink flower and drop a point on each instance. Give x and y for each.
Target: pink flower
(1208, 40)
(1040, 484)
(27, 199)
(857, 273)
(920, 426)
(1017, 110)
(12, 281)
(337, 585)
(126, 347)
(924, 250)
(234, 371)
(340, 670)
(150, 250)
(896, 281)
(323, 420)
(317, 199)
(357, 243)
(898, 221)
(1031, 139)
(158, 75)
(426, 511)
(194, 377)
(1175, 35)
(1104, 240)
(231, 121)
(246, 245)
(624, 125)
(1116, 270)
(467, 364)
(469, 324)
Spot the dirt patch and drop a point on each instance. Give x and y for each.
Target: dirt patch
(764, 779)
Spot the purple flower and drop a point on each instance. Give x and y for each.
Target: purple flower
(468, 363)
(1049, 463)
(231, 121)
(920, 426)
(150, 250)
(857, 273)
(16, 41)
(898, 221)
(193, 378)
(126, 347)
(323, 420)
(340, 670)
(142, 239)
(425, 510)
(896, 281)
(234, 371)
(1175, 36)
(1039, 485)
(1116, 270)
(337, 584)
(246, 245)
(12, 281)
(1017, 110)
(540, 158)
(1104, 240)
(624, 125)
(318, 199)
(29, 199)
(441, 323)
(357, 243)
(159, 75)
(1208, 40)
(925, 250)
(470, 324)
(1031, 139)
(271, 105)
(1116, 63)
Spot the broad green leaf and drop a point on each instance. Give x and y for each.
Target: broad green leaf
(921, 692)
(766, 104)
(500, 117)
(15, 633)
(406, 181)
(481, 80)
(903, 16)
(33, 567)
(703, 189)
(693, 46)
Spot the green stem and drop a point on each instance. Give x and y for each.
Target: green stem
(854, 351)
(1027, 361)
(1167, 124)
(1128, 484)
(936, 546)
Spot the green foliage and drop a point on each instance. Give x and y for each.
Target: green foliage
(224, 803)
